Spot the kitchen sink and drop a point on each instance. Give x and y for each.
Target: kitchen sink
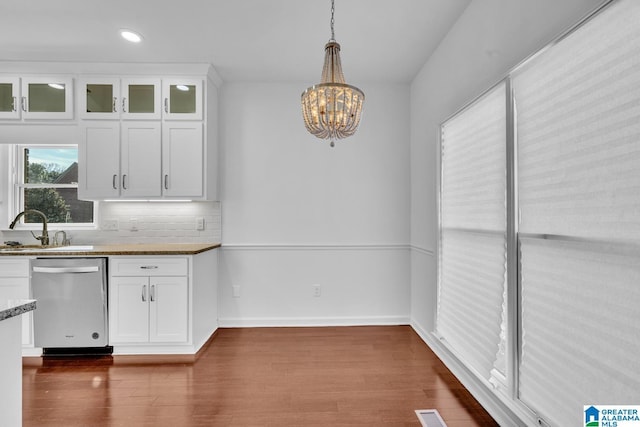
(40, 248)
(68, 248)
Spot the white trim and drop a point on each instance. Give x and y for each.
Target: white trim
(311, 247)
(423, 251)
(506, 412)
(262, 322)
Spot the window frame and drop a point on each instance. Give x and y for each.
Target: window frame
(17, 186)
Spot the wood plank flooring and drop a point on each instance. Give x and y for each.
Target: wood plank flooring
(334, 376)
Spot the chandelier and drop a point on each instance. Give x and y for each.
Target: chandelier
(332, 108)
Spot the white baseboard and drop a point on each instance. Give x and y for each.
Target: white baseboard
(499, 410)
(261, 322)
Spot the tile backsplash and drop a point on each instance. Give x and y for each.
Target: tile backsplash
(144, 222)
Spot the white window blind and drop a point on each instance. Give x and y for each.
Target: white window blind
(473, 227)
(578, 133)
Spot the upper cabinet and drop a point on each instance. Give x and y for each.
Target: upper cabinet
(114, 98)
(141, 99)
(9, 98)
(182, 99)
(38, 98)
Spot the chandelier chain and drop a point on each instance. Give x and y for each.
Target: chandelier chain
(333, 9)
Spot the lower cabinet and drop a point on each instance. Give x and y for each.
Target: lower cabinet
(148, 300)
(14, 284)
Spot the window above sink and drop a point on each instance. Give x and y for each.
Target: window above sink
(46, 179)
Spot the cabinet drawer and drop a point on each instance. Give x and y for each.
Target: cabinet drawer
(14, 267)
(164, 266)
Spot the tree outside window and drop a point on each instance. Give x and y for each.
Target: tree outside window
(50, 185)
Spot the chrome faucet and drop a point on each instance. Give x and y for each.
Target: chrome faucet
(64, 241)
(44, 239)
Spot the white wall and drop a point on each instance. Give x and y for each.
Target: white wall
(490, 38)
(296, 212)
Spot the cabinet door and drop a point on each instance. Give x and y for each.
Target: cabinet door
(9, 98)
(168, 309)
(18, 288)
(129, 310)
(141, 99)
(141, 159)
(99, 98)
(47, 98)
(182, 99)
(99, 160)
(182, 160)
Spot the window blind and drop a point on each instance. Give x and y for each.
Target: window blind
(578, 134)
(472, 252)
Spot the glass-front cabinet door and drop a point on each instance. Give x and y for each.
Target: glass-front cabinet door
(9, 98)
(47, 98)
(99, 98)
(182, 99)
(114, 98)
(141, 99)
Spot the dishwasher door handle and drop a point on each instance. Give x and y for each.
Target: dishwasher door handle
(57, 270)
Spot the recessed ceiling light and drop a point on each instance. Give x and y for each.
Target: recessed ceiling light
(131, 36)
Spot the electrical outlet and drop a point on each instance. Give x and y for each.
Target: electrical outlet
(110, 225)
(200, 223)
(236, 291)
(133, 224)
(317, 291)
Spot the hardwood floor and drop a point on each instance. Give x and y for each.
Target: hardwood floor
(335, 376)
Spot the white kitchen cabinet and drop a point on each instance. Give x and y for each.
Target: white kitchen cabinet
(182, 99)
(149, 305)
(119, 160)
(115, 98)
(182, 159)
(9, 98)
(39, 97)
(47, 97)
(14, 284)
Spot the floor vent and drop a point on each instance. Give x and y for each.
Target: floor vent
(430, 418)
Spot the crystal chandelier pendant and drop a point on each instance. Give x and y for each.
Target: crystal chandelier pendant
(332, 109)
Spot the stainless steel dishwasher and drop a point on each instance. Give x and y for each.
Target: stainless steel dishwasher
(71, 296)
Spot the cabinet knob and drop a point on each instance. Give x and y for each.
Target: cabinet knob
(124, 105)
(114, 106)
(166, 105)
(166, 182)
(152, 294)
(24, 104)
(114, 182)
(14, 103)
(144, 293)
(124, 181)
(148, 267)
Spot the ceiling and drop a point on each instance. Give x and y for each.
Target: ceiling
(245, 40)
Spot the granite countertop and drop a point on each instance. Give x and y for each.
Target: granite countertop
(124, 249)
(15, 307)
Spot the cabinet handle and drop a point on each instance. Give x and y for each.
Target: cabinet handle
(166, 182)
(124, 181)
(114, 182)
(148, 267)
(124, 105)
(24, 104)
(153, 293)
(166, 105)
(14, 104)
(144, 293)
(114, 106)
